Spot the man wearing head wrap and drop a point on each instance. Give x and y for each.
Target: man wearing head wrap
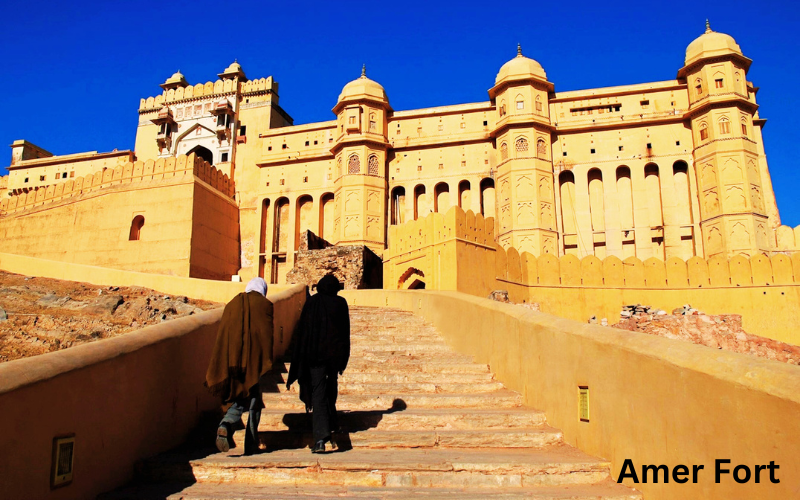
(320, 350)
(242, 354)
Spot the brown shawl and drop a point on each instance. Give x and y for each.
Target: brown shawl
(243, 349)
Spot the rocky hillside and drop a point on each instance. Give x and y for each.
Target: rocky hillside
(39, 315)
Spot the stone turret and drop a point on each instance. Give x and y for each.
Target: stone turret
(526, 212)
(736, 198)
(360, 149)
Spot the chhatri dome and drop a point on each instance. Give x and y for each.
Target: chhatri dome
(520, 67)
(362, 88)
(176, 80)
(235, 69)
(711, 44)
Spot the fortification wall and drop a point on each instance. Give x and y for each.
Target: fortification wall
(124, 399)
(652, 400)
(215, 235)
(764, 290)
(190, 222)
(131, 172)
(207, 89)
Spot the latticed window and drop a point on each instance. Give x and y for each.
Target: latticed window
(353, 165)
(521, 145)
(541, 149)
(503, 151)
(372, 165)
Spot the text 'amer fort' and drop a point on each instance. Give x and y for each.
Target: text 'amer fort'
(222, 183)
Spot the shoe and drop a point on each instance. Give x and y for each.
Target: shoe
(319, 447)
(223, 441)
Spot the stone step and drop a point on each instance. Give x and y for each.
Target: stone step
(394, 468)
(606, 490)
(420, 419)
(406, 357)
(402, 366)
(399, 349)
(397, 388)
(497, 399)
(377, 376)
(376, 439)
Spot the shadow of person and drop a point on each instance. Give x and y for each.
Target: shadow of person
(299, 428)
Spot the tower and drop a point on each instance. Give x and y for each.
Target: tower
(737, 204)
(359, 149)
(525, 200)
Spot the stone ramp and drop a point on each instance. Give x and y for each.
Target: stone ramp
(417, 419)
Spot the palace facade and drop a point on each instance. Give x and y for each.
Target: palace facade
(674, 168)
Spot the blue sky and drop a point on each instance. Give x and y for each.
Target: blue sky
(75, 71)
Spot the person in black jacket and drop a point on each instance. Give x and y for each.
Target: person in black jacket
(320, 352)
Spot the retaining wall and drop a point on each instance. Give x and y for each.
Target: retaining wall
(124, 399)
(652, 400)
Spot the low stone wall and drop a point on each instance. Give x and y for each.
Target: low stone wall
(124, 399)
(652, 400)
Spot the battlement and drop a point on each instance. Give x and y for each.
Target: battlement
(163, 168)
(208, 89)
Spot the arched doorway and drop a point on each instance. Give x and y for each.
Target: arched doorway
(203, 153)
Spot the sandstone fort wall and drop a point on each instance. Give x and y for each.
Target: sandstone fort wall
(456, 251)
(151, 380)
(189, 223)
(652, 400)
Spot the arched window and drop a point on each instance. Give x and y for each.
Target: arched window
(724, 126)
(744, 127)
(502, 108)
(520, 102)
(698, 85)
(373, 124)
(538, 104)
(353, 165)
(504, 151)
(338, 166)
(521, 145)
(541, 148)
(372, 165)
(136, 228)
(719, 80)
(703, 131)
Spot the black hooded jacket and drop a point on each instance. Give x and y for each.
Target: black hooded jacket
(322, 336)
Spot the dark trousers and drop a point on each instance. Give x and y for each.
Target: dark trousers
(233, 418)
(324, 391)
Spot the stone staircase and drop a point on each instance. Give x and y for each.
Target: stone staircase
(418, 420)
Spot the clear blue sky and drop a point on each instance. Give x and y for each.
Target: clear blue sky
(75, 71)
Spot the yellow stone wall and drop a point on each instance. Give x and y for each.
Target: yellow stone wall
(456, 251)
(652, 400)
(54, 169)
(190, 220)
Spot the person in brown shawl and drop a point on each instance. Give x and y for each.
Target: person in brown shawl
(242, 354)
(320, 350)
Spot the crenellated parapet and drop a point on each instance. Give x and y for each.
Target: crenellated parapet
(206, 90)
(163, 169)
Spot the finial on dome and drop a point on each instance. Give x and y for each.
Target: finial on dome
(363, 71)
(708, 27)
(519, 49)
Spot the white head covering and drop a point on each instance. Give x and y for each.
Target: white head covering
(257, 285)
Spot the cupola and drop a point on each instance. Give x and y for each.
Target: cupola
(362, 88)
(176, 80)
(520, 68)
(233, 71)
(711, 44)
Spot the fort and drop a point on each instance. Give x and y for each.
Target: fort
(580, 201)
